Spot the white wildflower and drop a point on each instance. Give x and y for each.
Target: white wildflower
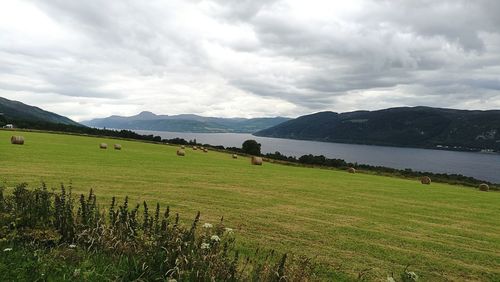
(7, 249)
(72, 246)
(215, 238)
(207, 225)
(205, 246)
(411, 276)
(77, 272)
(228, 230)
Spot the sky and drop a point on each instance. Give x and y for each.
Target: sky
(226, 58)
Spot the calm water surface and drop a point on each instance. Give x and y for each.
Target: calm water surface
(479, 165)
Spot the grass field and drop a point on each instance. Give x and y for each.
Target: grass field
(348, 222)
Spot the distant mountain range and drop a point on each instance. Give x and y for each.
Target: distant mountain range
(406, 126)
(185, 123)
(16, 112)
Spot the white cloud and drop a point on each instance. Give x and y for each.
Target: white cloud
(88, 59)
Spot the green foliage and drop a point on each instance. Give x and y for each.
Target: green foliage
(414, 127)
(349, 221)
(14, 111)
(65, 241)
(251, 147)
(323, 161)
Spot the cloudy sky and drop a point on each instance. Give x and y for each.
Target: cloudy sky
(94, 58)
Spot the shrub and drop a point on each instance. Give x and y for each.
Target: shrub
(136, 242)
(251, 147)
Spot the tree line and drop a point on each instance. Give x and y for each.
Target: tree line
(251, 147)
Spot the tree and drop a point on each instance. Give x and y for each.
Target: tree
(251, 147)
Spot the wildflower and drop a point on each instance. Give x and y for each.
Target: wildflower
(7, 249)
(205, 246)
(207, 225)
(76, 272)
(215, 238)
(228, 230)
(410, 276)
(72, 246)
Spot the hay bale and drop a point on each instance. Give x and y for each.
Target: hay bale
(202, 148)
(205, 150)
(17, 140)
(103, 146)
(256, 161)
(195, 148)
(118, 147)
(351, 170)
(484, 187)
(183, 147)
(235, 156)
(425, 180)
(181, 153)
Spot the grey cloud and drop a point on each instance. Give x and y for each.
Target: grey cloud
(135, 27)
(458, 21)
(145, 53)
(242, 10)
(391, 46)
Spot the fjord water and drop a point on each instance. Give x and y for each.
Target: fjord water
(484, 166)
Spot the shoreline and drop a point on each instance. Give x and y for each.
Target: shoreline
(374, 168)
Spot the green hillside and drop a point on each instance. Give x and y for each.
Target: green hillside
(347, 222)
(19, 113)
(406, 126)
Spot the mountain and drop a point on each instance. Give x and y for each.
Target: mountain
(185, 123)
(14, 111)
(405, 126)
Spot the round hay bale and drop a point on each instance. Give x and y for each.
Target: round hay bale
(484, 187)
(195, 148)
(202, 148)
(351, 170)
(235, 156)
(103, 146)
(17, 140)
(183, 147)
(425, 180)
(256, 160)
(118, 147)
(181, 153)
(205, 150)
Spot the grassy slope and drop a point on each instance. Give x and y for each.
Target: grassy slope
(350, 222)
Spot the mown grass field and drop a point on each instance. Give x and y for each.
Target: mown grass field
(348, 222)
